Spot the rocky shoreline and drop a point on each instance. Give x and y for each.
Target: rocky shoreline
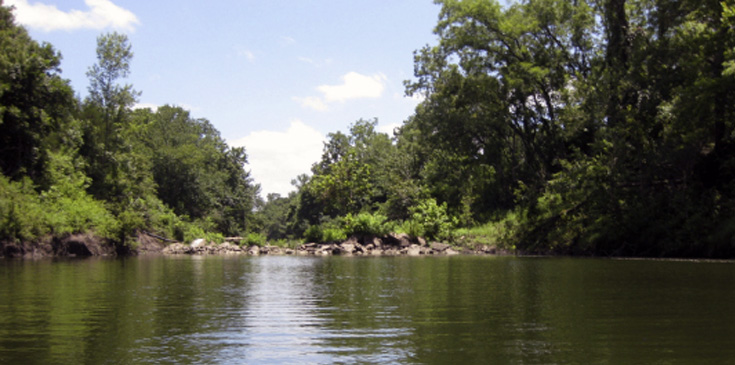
(85, 245)
(391, 245)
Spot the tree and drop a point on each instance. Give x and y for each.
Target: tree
(36, 104)
(114, 54)
(497, 87)
(352, 176)
(107, 114)
(196, 173)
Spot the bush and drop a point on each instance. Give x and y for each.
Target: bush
(68, 207)
(285, 243)
(314, 234)
(411, 228)
(257, 239)
(21, 214)
(366, 224)
(62, 209)
(331, 234)
(501, 233)
(325, 232)
(432, 220)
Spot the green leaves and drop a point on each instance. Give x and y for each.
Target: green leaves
(34, 101)
(432, 220)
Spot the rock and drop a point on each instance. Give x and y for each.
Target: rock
(450, 252)
(254, 250)
(346, 248)
(399, 239)
(421, 241)
(177, 248)
(275, 250)
(439, 247)
(391, 252)
(199, 242)
(413, 250)
(320, 252)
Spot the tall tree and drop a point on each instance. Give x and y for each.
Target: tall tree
(36, 104)
(107, 112)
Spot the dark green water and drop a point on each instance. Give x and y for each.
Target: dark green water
(368, 310)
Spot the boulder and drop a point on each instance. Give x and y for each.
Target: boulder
(391, 252)
(439, 247)
(450, 252)
(399, 239)
(177, 248)
(414, 250)
(346, 248)
(199, 242)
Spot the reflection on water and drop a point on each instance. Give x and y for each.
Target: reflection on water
(365, 310)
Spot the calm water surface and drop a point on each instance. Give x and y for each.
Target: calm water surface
(367, 310)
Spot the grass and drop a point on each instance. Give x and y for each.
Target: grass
(498, 233)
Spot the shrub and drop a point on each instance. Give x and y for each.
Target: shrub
(257, 239)
(314, 234)
(432, 220)
(21, 214)
(285, 243)
(411, 228)
(63, 208)
(501, 233)
(332, 234)
(366, 224)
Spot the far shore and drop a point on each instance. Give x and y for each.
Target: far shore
(88, 245)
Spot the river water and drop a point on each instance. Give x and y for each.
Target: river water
(442, 310)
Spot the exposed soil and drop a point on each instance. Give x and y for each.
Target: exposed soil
(76, 245)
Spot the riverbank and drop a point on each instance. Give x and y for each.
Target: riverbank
(83, 245)
(76, 245)
(391, 245)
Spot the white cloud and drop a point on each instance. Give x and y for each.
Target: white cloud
(388, 128)
(312, 102)
(246, 53)
(277, 157)
(100, 15)
(316, 63)
(287, 41)
(188, 107)
(150, 106)
(354, 86)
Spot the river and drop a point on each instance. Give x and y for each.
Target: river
(283, 309)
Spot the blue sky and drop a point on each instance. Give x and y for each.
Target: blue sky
(273, 76)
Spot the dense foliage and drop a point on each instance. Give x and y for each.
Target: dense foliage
(596, 127)
(96, 165)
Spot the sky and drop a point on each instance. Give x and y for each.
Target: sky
(273, 76)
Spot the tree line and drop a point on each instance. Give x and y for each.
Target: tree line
(97, 165)
(587, 127)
